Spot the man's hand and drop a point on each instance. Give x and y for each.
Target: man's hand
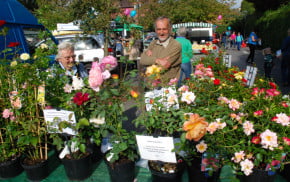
(163, 62)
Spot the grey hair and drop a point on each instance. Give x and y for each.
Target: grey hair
(64, 46)
(163, 18)
(182, 31)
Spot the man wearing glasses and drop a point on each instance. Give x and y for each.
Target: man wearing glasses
(66, 59)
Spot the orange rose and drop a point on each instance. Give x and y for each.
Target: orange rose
(195, 127)
(115, 76)
(134, 94)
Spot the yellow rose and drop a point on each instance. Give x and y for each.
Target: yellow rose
(13, 63)
(43, 46)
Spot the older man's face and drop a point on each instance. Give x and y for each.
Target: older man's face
(163, 30)
(67, 59)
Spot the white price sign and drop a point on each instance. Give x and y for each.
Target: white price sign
(156, 148)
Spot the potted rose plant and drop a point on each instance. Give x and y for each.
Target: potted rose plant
(9, 131)
(97, 102)
(110, 96)
(164, 117)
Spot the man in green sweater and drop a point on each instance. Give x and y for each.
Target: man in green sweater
(186, 54)
(164, 52)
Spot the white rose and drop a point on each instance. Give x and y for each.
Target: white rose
(77, 83)
(98, 120)
(24, 56)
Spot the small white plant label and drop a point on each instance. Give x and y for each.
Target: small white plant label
(250, 75)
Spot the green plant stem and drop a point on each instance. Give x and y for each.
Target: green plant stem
(2, 141)
(38, 123)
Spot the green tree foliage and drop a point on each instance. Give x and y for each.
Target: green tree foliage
(264, 5)
(180, 11)
(96, 15)
(51, 12)
(273, 26)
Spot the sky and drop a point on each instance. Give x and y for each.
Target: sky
(238, 4)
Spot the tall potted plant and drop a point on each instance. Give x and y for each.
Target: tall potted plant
(111, 96)
(163, 117)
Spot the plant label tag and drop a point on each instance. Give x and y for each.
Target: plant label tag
(227, 59)
(166, 96)
(250, 75)
(160, 148)
(53, 117)
(41, 94)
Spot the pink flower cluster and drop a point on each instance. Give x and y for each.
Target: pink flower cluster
(269, 92)
(8, 114)
(233, 103)
(201, 71)
(100, 71)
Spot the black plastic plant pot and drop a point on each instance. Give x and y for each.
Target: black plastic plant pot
(36, 172)
(123, 171)
(78, 169)
(10, 169)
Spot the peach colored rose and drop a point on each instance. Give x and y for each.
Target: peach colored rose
(195, 127)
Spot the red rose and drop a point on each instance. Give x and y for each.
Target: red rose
(80, 98)
(284, 104)
(244, 80)
(2, 22)
(273, 85)
(216, 82)
(13, 44)
(214, 48)
(256, 140)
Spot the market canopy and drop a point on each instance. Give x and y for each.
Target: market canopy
(14, 12)
(193, 25)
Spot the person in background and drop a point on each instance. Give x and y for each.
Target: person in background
(285, 64)
(268, 61)
(239, 40)
(252, 43)
(164, 52)
(66, 60)
(186, 54)
(118, 46)
(233, 39)
(224, 40)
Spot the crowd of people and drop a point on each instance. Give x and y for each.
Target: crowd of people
(174, 54)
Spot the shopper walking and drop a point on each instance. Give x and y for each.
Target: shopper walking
(252, 43)
(239, 40)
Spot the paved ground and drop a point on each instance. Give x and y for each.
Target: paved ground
(239, 59)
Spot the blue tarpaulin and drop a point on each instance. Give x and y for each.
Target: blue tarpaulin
(14, 12)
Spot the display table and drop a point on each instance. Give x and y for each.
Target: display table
(101, 174)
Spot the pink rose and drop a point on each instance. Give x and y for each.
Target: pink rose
(108, 63)
(95, 77)
(106, 74)
(6, 113)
